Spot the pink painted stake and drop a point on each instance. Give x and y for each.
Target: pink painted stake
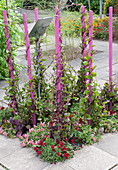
(29, 64)
(110, 50)
(90, 54)
(60, 39)
(9, 56)
(36, 14)
(58, 58)
(83, 35)
(36, 19)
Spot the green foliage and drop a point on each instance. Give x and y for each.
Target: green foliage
(94, 5)
(14, 33)
(109, 3)
(109, 95)
(42, 4)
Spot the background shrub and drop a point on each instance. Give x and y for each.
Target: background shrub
(14, 33)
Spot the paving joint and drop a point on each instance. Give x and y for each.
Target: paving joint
(3, 166)
(106, 151)
(113, 166)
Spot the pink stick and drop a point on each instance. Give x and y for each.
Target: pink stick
(83, 32)
(36, 14)
(9, 55)
(110, 50)
(29, 64)
(90, 54)
(36, 19)
(57, 58)
(83, 36)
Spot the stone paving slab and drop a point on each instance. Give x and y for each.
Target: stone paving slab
(100, 156)
(109, 144)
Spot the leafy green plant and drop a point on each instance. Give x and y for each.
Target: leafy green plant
(14, 33)
(42, 4)
(107, 95)
(94, 5)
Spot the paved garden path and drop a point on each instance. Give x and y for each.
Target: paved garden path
(100, 156)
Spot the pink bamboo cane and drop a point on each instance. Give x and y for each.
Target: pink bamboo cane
(36, 14)
(90, 54)
(58, 59)
(110, 50)
(36, 19)
(29, 65)
(9, 55)
(83, 35)
(60, 38)
(38, 55)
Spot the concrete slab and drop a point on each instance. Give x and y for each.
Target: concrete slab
(21, 158)
(109, 144)
(58, 166)
(92, 158)
(8, 146)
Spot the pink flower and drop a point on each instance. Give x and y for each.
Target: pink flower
(37, 137)
(42, 135)
(22, 144)
(80, 125)
(10, 129)
(42, 129)
(7, 121)
(5, 134)
(114, 129)
(42, 124)
(20, 137)
(38, 130)
(82, 146)
(94, 139)
(34, 126)
(90, 129)
(105, 31)
(30, 130)
(2, 131)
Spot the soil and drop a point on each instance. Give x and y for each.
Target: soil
(70, 53)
